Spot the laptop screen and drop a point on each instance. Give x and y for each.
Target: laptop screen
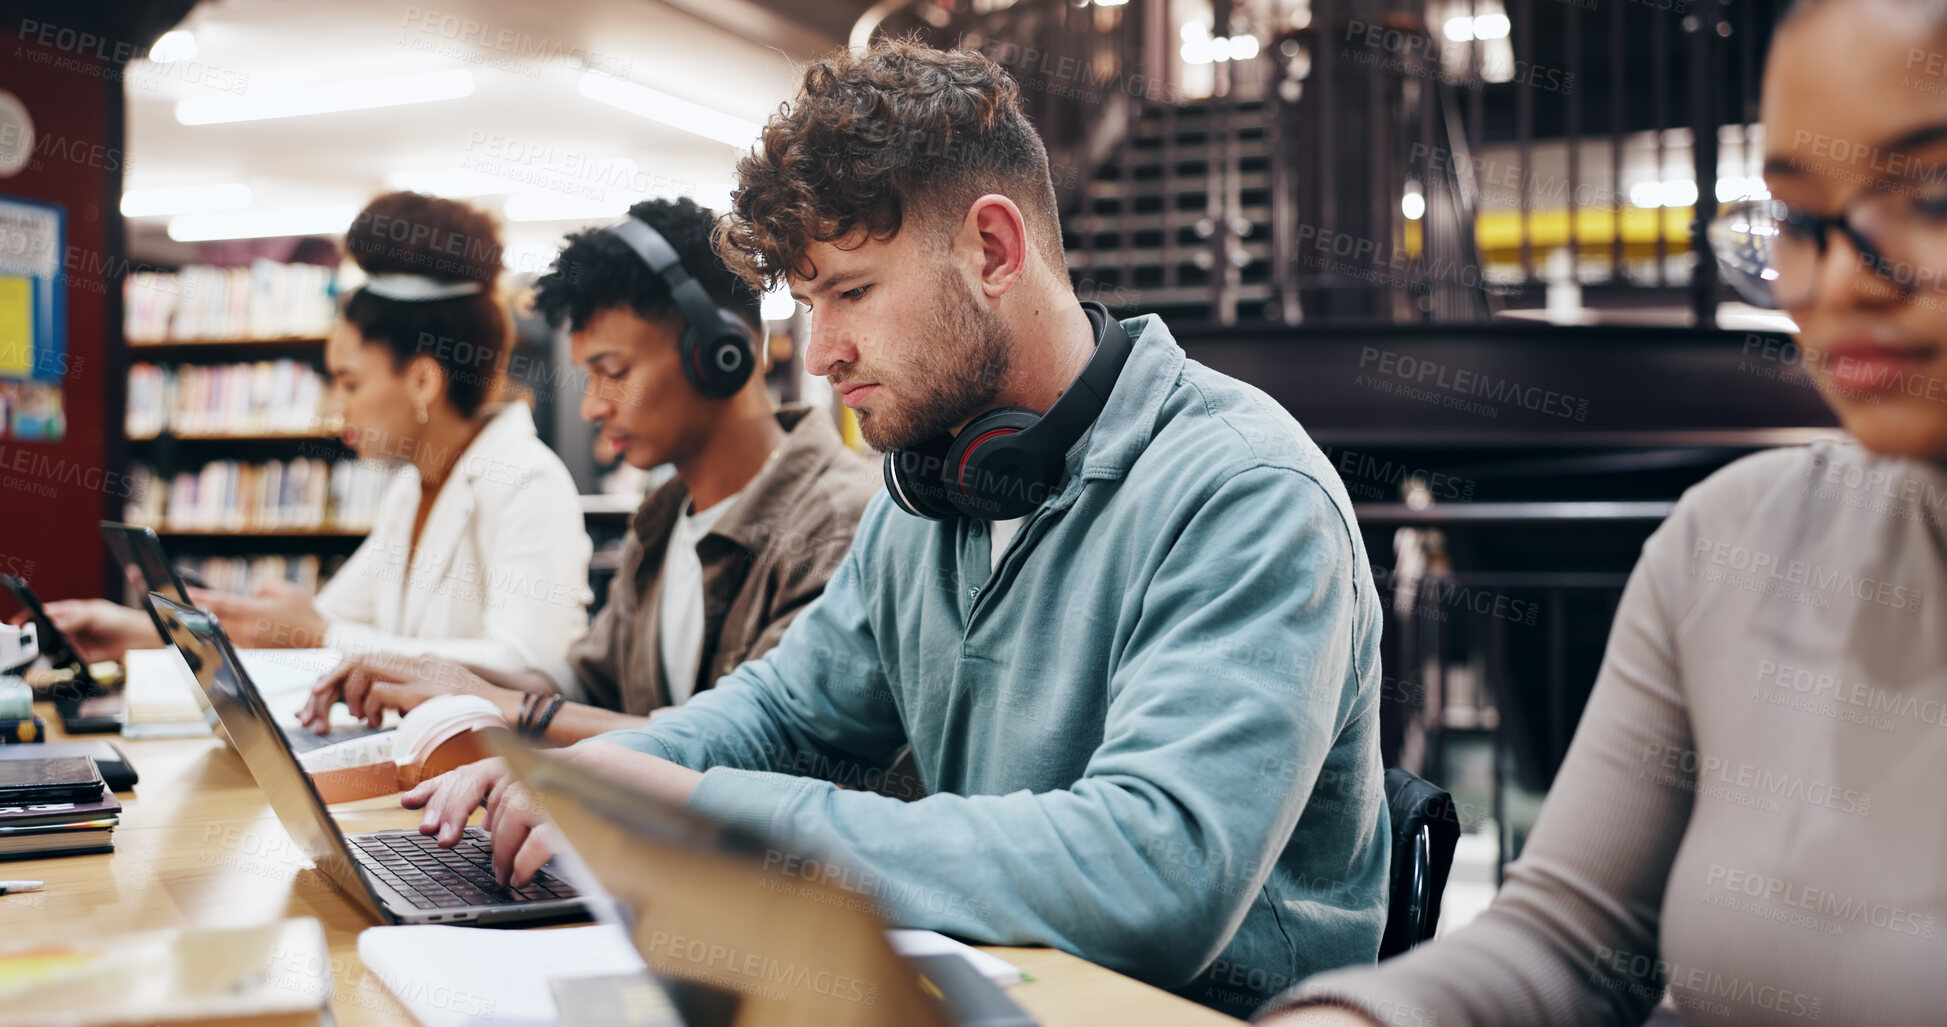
(145, 566)
(254, 732)
(147, 569)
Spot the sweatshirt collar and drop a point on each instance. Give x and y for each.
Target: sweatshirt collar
(1128, 421)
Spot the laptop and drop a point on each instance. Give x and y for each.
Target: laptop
(84, 704)
(148, 569)
(400, 877)
(737, 929)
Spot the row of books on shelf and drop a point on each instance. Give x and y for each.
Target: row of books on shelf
(266, 300)
(268, 397)
(244, 573)
(304, 494)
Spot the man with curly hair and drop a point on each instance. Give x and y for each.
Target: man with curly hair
(720, 559)
(1146, 712)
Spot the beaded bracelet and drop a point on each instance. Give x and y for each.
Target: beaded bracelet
(527, 710)
(541, 722)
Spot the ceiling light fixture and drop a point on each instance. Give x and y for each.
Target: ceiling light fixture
(327, 98)
(673, 111)
(262, 224)
(175, 45)
(185, 199)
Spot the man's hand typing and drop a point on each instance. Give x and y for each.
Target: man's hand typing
(522, 840)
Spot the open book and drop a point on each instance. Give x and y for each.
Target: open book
(434, 738)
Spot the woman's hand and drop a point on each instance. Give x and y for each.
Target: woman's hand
(370, 685)
(277, 615)
(101, 630)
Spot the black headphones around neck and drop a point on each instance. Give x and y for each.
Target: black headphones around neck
(1006, 462)
(716, 348)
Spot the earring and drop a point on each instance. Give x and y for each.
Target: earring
(419, 414)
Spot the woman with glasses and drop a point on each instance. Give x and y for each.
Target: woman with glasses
(1750, 819)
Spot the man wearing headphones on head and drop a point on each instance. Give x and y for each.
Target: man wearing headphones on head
(718, 560)
(1115, 602)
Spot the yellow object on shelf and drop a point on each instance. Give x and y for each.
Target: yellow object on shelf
(848, 429)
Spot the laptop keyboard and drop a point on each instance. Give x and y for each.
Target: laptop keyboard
(415, 866)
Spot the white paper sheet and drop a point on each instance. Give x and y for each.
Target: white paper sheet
(449, 976)
(932, 943)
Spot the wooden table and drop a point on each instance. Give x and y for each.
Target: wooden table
(199, 846)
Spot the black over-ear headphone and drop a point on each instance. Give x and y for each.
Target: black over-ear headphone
(1006, 462)
(716, 348)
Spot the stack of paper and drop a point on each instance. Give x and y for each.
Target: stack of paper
(161, 694)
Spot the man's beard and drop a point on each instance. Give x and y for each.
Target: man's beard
(959, 363)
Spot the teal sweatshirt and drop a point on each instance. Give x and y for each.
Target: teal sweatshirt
(1149, 737)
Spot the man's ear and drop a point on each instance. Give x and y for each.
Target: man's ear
(995, 228)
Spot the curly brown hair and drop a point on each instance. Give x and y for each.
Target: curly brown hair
(446, 240)
(899, 131)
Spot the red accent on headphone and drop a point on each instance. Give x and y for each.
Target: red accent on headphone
(696, 362)
(960, 472)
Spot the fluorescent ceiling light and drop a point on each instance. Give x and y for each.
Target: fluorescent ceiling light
(1491, 26)
(175, 45)
(262, 224)
(185, 199)
(1462, 28)
(452, 182)
(327, 98)
(1675, 192)
(670, 110)
(1678, 192)
(1201, 49)
(1730, 190)
(562, 207)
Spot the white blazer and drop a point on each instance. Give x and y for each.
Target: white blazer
(500, 576)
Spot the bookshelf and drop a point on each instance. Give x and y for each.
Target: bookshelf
(217, 349)
(232, 456)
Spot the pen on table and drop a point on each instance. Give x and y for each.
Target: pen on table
(13, 886)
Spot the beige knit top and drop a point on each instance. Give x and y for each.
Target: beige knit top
(1753, 812)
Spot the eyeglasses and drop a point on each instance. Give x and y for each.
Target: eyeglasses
(1770, 251)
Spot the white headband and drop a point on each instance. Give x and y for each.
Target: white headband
(418, 288)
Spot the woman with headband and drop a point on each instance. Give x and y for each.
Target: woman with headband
(1748, 825)
(478, 553)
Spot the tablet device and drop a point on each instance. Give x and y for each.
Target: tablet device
(49, 779)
